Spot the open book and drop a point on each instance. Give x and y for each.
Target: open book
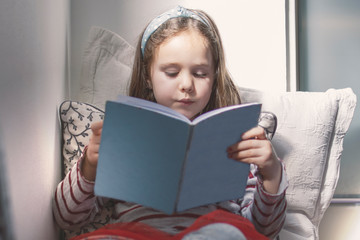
(156, 157)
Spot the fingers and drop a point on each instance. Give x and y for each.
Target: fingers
(255, 133)
(97, 127)
(250, 151)
(94, 142)
(254, 148)
(92, 153)
(249, 140)
(244, 145)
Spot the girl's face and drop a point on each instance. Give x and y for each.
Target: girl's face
(182, 73)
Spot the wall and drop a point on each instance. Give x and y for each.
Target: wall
(253, 34)
(33, 72)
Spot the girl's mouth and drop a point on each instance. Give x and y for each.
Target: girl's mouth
(186, 101)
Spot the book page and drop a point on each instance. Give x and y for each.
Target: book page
(219, 111)
(155, 107)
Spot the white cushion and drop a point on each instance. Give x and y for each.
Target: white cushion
(298, 227)
(106, 67)
(309, 137)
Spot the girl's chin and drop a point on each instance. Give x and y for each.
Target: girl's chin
(189, 115)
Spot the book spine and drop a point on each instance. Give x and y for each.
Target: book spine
(190, 137)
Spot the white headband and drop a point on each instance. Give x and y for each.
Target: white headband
(179, 11)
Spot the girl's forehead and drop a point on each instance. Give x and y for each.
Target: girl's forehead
(188, 48)
(185, 38)
(194, 33)
(189, 45)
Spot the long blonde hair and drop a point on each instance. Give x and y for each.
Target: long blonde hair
(224, 92)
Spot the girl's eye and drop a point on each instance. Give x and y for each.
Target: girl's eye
(171, 74)
(200, 74)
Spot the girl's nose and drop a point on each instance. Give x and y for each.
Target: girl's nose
(186, 83)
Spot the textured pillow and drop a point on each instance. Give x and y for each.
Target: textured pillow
(309, 139)
(76, 119)
(106, 67)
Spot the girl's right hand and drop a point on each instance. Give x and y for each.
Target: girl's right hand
(92, 153)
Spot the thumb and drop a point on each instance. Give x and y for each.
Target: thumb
(97, 127)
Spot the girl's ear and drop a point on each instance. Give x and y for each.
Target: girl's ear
(148, 84)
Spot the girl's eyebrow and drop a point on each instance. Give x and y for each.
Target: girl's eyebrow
(166, 65)
(202, 65)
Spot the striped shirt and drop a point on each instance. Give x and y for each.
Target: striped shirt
(75, 205)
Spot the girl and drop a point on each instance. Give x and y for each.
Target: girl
(180, 64)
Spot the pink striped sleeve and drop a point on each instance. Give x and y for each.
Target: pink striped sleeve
(266, 211)
(74, 202)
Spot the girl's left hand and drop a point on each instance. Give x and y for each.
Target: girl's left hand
(255, 148)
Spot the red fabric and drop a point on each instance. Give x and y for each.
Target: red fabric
(122, 231)
(140, 231)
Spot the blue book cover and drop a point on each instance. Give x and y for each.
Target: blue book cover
(156, 157)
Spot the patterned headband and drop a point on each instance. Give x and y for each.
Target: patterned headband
(179, 11)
